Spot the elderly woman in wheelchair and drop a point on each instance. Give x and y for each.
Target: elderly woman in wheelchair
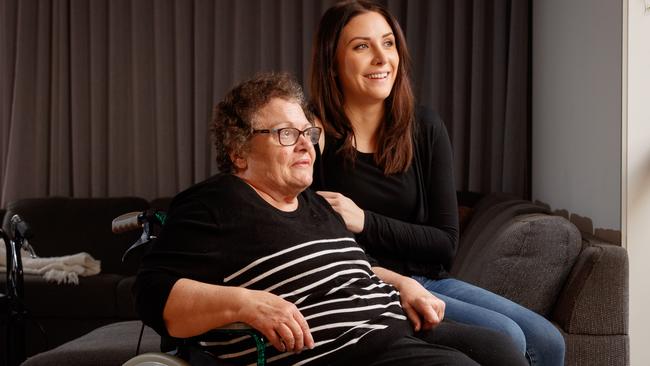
(253, 245)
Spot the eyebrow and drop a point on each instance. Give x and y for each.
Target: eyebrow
(368, 38)
(290, 124)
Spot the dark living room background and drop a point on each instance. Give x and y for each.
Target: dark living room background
(105, 98)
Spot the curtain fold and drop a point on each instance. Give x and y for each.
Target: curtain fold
(114, 97)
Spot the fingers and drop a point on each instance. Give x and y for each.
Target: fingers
(330, 197)
(431, 310)
(413, 317)
(291, 337)
(308, 339)
(281, 323)
(287, 337)
(328, 194)
(288, 332)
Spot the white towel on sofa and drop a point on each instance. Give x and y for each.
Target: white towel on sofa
(65, 269)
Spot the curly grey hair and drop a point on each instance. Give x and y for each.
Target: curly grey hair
(232, 121)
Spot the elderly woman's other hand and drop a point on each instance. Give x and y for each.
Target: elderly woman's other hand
(279, 320)
(424, 310)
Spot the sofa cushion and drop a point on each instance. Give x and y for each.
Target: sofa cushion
(489, 215)
(125, 299)
(526, 260)
(71, 225)
(93, 297)
(112, 344)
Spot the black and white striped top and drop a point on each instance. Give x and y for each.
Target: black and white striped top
(222, 232)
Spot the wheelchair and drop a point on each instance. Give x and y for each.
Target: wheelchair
(190, 350)
(11, 303)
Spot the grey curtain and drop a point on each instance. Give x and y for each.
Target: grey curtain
(113, 97)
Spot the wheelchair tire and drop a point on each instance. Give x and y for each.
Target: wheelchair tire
(155, 359)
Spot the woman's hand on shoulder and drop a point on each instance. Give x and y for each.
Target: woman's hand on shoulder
(353, 216)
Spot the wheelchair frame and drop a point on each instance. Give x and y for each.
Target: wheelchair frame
(12, 303)
(149, 220)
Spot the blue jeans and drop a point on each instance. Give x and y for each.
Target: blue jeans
(535, 336)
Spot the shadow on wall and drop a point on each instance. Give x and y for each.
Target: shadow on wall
(586, 225)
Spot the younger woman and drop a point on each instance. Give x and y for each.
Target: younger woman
(386, 168)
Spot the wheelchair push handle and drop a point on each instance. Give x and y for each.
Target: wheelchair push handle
(145, 220)
(127, 222)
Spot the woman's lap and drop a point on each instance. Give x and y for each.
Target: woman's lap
(413, 351)
(486, 346)
(470, 304)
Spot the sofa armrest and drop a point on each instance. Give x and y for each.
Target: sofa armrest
(594, 299)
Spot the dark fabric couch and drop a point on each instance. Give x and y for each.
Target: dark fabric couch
(61, 226)
(509, 246)
(519, 250)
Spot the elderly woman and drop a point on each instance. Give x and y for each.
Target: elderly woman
(252, 245)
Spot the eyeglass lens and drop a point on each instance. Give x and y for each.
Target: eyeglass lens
(289, 136)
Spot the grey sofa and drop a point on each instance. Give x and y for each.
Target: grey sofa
(517, 249)
(509, 246)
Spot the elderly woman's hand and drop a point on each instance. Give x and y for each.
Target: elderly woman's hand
(279, 320)
(423, 309)
(352, 215)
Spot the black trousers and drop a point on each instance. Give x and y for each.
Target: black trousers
(450, 343)
(413, 351)
(485, 346)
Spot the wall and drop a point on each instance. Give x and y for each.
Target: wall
(636, 176)
(591, 128)
(576, 108)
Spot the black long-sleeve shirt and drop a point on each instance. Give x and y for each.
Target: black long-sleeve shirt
(222, 232)
(411, 218)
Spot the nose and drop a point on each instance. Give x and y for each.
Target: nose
(379, 56)
(303, 142)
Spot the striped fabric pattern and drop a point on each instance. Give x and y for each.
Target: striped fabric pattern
(331, 283)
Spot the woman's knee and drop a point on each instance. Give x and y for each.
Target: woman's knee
(547, 346)
(513, 331)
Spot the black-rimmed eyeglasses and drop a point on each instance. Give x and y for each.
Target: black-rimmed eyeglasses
(288, 136)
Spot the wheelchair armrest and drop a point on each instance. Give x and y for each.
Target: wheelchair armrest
(229, 329)
(241, 329)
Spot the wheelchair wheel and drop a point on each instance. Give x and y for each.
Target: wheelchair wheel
(155, 359)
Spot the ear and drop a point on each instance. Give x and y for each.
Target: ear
(238, 161)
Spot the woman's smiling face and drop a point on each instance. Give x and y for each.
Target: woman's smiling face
(366, 59)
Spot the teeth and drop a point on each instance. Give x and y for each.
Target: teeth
(381, 75)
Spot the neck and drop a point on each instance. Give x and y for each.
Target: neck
(366, 121)
(287, 202)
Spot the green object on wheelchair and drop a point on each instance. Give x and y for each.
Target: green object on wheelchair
(239, 329)
(259, 343)
(161, 216)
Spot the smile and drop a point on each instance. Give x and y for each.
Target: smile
(378, 75)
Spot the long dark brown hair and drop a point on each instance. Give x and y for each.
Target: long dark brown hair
(394, 150)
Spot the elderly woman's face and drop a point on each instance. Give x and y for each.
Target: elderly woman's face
(275, 168)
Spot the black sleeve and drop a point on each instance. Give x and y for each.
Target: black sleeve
(179, 252)
(434, 240)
